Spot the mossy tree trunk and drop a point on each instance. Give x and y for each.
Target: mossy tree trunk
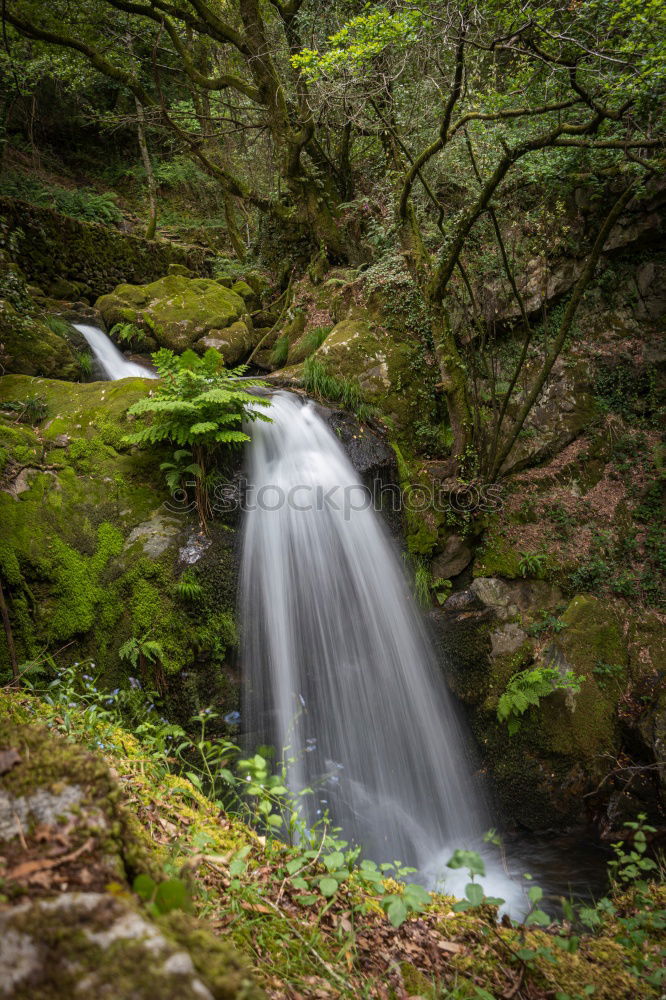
(148, 167)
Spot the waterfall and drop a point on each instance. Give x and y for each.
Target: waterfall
(337, 666)
(114, 366)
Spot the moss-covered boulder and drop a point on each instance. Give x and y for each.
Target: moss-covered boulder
(29, 347)
(90, 554)
(70, 925)
(391, 369)
(179, 311)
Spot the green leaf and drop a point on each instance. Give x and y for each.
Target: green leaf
(471, 860)
(328, 887)
(474, 893)
(172, 895)
(144, 886)
(534, 894)
(396, 911)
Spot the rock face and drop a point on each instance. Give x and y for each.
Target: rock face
(89, 552)
(178, 312)
(81, 932)
(28, 347)
(548, 773)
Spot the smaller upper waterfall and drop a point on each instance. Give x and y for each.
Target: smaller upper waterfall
(111, 361)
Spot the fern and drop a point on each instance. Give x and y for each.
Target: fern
(199, 407)
(128, 333)
(188, 588)
(526, 689)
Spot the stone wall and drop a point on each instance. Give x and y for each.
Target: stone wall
(50, 247)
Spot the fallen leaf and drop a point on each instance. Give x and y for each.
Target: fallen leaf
(256, 907)
(451, 946)
(29, 867)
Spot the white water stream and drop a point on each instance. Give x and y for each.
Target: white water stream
(112, 363)
(338, 668)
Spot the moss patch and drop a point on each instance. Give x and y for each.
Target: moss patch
(175, 310)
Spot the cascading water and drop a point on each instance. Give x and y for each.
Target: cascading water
(338, 669)
(110, 360)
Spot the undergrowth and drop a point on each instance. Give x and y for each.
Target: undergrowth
(80, 203)
(313, 914)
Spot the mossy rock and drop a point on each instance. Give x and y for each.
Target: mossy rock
(50, 247)
(29, 347)
(77, 930)
(246, 292)
(177, 311)
(90, 552)
(234, 343)
(392, 372)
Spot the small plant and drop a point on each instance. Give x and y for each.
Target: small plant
(163, 897)
(31, 410)
(527, 688)
(129, 334)
(318, 383)
(188, 588)
(140, 650)
(631, 864)
(548, 623)
(422, 583)
(57, 324)
(608, 675)
(84, 360)
(280, 352)
(441, 589)
(198, 406)
(313, 340)
(532, 563)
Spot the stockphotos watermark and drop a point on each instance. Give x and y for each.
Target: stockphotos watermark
(240, 496)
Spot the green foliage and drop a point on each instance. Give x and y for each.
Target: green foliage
(313, 339)
(319, 383)
(197, 405)
(361, 41)
(138, 650)
(279, 353)
(608, 675)
(163, 897)
(323, 875)
(422, 583)
(31, 410)
(58, 325)
(128, 333)
(84, 360)
(187, 587)
(532, 563)
(80, 203)
(548, 623)
(527, 688)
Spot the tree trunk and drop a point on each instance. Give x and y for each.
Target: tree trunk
(453, 379)
(234, 232)
(148, 167)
